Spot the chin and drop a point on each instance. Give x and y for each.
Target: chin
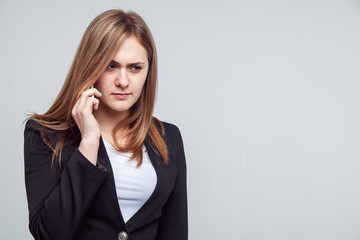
(120, 110)
(117, 109)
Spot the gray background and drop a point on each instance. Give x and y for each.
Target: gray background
(266, 94)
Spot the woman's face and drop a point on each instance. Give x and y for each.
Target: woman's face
(122, 82)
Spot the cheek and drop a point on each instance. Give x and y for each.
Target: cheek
(140, 87)
(141, 82)
(99, 84)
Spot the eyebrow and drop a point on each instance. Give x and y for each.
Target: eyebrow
(134, 63)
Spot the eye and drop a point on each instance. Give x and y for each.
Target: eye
(111, 66)
(135, 68)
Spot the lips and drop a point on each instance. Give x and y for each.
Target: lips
(121, 95)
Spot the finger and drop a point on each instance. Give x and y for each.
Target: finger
(86, 94)
(75, 108)
(83, 106)
(97, 92)
(88, 105)
(91, 91)
(96, 104)
(83, 97)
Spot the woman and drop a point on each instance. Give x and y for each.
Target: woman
(98, 165)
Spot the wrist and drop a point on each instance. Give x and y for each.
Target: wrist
(90, 140)
(89, 148)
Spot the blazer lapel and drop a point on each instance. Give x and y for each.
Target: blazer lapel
(152, 208)
(104, 161)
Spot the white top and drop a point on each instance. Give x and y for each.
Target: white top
(134, 186)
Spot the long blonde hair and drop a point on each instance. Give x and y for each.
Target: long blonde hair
(96, 50)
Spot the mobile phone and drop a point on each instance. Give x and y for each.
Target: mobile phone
(92, 86)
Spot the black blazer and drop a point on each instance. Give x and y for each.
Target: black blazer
(79, 201)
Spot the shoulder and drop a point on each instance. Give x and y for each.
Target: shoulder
(34, 138)
(32, 127)
(175, 145)
(31, 124)
(173, 138)
(49, 130)
(41, 135)
(171, 130)
(39, 139)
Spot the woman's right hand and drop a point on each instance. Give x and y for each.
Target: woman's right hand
(87, 124)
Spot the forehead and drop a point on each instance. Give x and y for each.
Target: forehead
(131, 50)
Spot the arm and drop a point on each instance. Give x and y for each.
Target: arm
(174, 220)
(57, 201)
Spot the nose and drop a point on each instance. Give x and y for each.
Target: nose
(122, 79)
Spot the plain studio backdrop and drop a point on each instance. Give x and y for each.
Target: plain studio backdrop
(265, 93)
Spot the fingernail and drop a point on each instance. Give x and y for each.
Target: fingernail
(100, 93)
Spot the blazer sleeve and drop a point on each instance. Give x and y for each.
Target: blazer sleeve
(57, 200)
(173, 223)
